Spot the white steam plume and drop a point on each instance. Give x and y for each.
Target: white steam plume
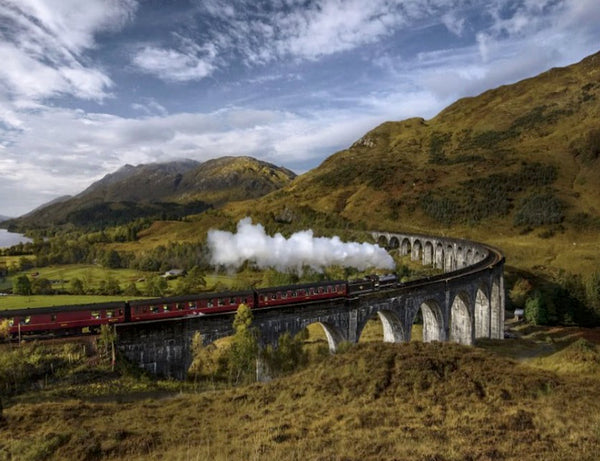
(301, 249)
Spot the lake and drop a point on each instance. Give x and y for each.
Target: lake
(8, 239)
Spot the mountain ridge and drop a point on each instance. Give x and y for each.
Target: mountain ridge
(154, 189)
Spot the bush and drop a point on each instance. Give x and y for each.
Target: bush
(539, 210)
(536, 311)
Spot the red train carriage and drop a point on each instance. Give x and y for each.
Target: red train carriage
(179, 306)
(64, 319)
(276, 296)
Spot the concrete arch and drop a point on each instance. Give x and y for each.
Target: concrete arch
(482, 314)
(417, 251)
(433, 327)
(439, 256)
(461, 326)
(428, 254)
(460, 258)
(393, 330)
(333, 334)
(450, 259)
(469, 257)
(382, 241)
(405, 247)
(394, 243)
(497, 310)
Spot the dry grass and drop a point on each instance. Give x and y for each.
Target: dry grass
(376, 401)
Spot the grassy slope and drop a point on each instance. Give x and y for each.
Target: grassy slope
(377, 401)
(492, 146)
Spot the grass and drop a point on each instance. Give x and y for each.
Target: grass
(21, 302)
(375, 401)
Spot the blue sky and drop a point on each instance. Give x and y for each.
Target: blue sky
(87, 86)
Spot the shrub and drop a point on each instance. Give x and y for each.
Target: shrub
(536, 310)
(538, 210)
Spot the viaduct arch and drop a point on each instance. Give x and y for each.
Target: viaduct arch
(463, 303)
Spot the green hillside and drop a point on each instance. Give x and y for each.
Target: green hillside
(517, 166)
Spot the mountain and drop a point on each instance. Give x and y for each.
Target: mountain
(167, 190)
(143, 183)
(517, 158)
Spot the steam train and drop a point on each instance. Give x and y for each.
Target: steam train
(88, 318)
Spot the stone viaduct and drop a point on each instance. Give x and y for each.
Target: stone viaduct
(464, 302)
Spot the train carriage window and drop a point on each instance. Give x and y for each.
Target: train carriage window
(166, 308)
(273, 295)
(53, 317)
(320, 290)
(109, 314)
(209, 303)
(294, 294)
(120, 311)
(311, 291)
(153, 309)
(284, 295)
(180, 306)
(11, 322)
(192, 305)
(95, 315)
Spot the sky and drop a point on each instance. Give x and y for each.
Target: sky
(87, 86)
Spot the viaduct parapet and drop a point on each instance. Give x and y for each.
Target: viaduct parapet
(463, 303)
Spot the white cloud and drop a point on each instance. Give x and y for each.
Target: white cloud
(173, 65)
(42, 46)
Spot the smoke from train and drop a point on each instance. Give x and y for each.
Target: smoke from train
(299, 250)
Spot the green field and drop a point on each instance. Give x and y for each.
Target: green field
(22, 302)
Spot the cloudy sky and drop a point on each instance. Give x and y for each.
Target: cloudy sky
(87, 86)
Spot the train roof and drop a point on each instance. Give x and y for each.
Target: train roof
(300, 286)
(186, 298)
(53, 309)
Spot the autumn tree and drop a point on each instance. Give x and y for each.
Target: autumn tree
(244, 348)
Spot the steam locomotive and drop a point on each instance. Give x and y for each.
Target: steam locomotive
(88, 318)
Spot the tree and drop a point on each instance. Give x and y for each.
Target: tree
(132, 290)
(4, 330)
(536, 310)
(112, 286)
(76, 286)
(244, 347)
(22, 285)
(592, 289)
(156, 286)
(41, 286)
(111, 259)
(288, 355)
(192, 282)
(106, 343)
(520, 292)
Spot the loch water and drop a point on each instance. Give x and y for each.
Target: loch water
(8, 239)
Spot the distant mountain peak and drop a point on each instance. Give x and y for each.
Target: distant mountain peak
(148, 186)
